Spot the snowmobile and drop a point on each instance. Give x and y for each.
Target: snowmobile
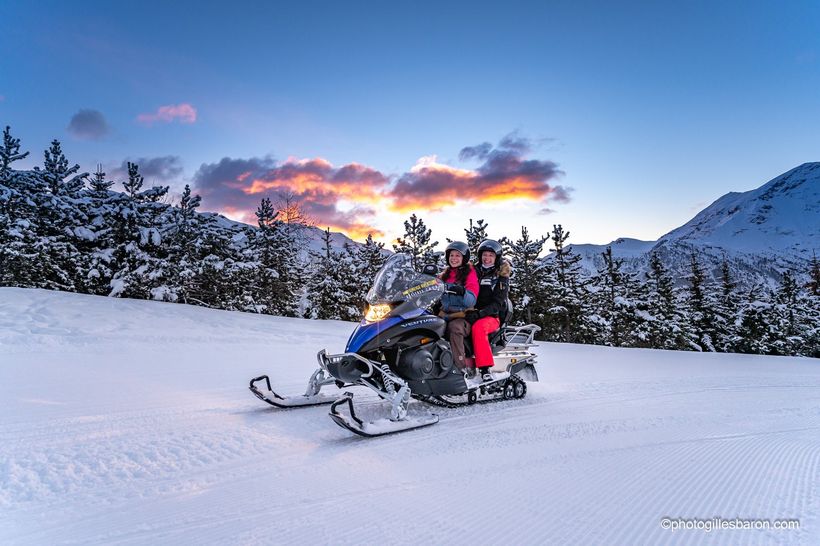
(399, 351)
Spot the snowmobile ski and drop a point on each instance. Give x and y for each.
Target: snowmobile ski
(380, 427)
(312, 396)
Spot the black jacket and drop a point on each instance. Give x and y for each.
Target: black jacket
(493, 290)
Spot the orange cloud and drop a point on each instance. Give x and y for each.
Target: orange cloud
(504, 175)
(318, 187)
(347, 198)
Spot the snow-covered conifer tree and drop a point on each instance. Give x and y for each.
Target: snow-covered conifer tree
(9, 153)
(327, 296)
(369, 259)
(754, 329)
(527, 286)
(475, 234)
(416, 242)
(669, 327)
(701, 306)
(619, 303)
(570, 315)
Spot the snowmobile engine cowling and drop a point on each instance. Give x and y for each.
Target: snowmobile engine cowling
(416, 364)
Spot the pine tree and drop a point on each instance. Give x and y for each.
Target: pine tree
(475, 234)
(183, 248)
(99, 185)
(416, 242)
(227, 275)
(351, 297)
(620, 304)
(369, 259)
(701, 305)
(294, 223)
(266, 244)
(135, 180)
(9, 153)
(19, 223)
(567, 266)
(57, 172)
(726, 310)
(140, 257)
(754, 331)
(327, 296)
(527, 288)
(18, 218)
(668, 328)
(570, 316)
(59, 219)
(789, 312)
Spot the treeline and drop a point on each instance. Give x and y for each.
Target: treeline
(626, 309)
(65, 230)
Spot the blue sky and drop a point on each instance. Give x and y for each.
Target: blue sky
(632, 115)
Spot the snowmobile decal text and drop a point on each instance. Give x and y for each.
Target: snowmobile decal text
(420, 287)
(417, 322)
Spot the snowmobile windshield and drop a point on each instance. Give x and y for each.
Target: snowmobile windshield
(398, 282)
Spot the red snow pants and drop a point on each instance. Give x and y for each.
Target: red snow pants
(481, 345)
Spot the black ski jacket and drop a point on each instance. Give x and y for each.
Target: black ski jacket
(493, 290)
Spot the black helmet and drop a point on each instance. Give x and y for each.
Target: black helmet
(460, 247)
(492, 246)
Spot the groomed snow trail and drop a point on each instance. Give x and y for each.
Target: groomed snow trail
(130, 422)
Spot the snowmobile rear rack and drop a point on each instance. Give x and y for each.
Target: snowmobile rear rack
(520, 336)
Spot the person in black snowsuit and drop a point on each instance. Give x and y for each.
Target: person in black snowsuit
(491, 305)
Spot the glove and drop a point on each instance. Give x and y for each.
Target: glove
(456, 289)
(472, 315)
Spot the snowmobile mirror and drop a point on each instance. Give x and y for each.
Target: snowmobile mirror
(430, 269)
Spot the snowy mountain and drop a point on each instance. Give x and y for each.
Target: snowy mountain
(760, 232)
(630, 250)
(130, 422)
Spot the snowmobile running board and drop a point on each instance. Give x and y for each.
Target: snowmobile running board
(381, 427)
(274, 399)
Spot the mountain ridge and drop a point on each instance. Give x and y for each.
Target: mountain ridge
(759, 232)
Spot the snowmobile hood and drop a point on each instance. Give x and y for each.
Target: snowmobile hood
(366, 331)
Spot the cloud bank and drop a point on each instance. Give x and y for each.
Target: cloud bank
(343, 198)
(349, 197)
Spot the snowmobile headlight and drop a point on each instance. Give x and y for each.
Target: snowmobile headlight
(376, 312)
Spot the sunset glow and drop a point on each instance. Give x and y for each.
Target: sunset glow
(353, 197)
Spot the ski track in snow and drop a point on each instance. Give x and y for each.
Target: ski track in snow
(128, 422)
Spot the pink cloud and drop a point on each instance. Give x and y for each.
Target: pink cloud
(183, 112)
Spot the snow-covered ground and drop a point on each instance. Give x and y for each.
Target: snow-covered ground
(131, 422)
